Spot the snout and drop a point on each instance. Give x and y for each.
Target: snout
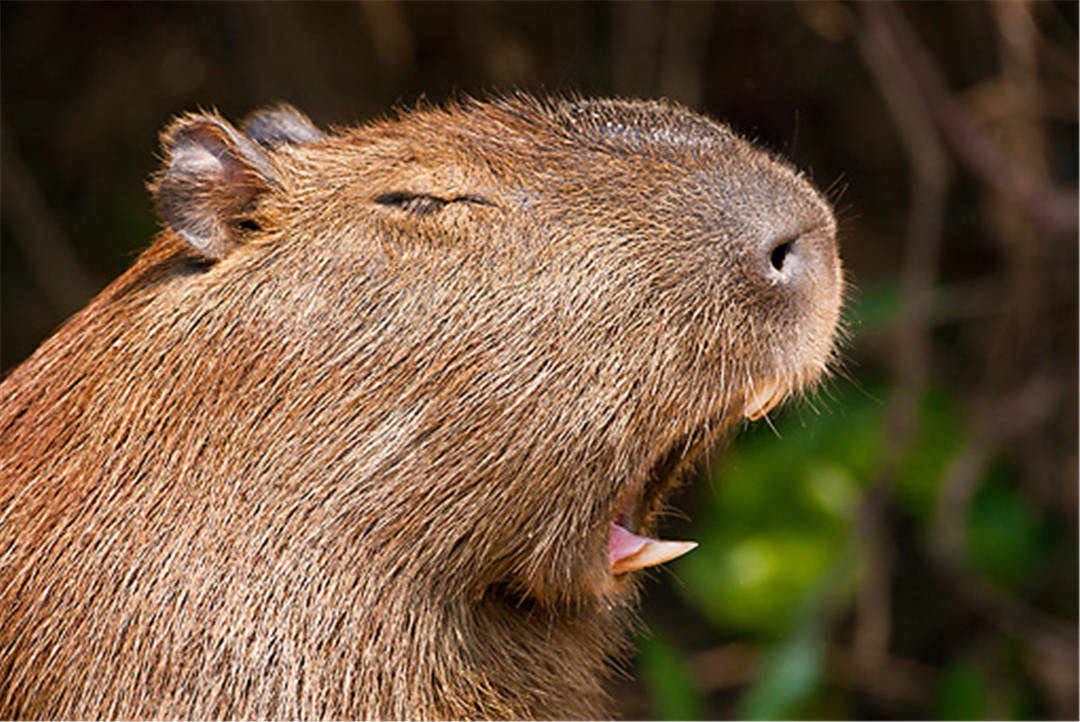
(784, 259)
(804, 262)
(795, 272)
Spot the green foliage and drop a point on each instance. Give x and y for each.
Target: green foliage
(788, 678)
(780, 554)
(1006, 539)
(666, 674)
(875, 308)
(778, 514)
(963, 693)
(939, 433)
(988, 686)
(792, 669)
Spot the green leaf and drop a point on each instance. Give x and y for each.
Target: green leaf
(941, 429)
(833, 489)
(778, 513)
(787, 680)
(963, 694)
(1006, 539)
(757, 582)
(673, 690)
(875, 308)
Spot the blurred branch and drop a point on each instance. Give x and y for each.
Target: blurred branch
(724, 667)
(686, 43)
(391, 37)
(40, 238)
(979, 299)
(633, 71)
(996, 422)
(1053, 641)
(916, 95)
(735, 665)
(1017, 172)
(1053, 208)
(911, 340)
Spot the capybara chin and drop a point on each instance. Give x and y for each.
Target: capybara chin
(380, 423)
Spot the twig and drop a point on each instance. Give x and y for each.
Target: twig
(1053, 641)
(735, 665)
(42, 241)
(1053, 208)
(919, 100)
(911, 342)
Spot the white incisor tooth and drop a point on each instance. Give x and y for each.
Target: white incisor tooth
(656, 551)
(765, 398)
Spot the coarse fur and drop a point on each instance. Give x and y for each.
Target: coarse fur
(347, 439)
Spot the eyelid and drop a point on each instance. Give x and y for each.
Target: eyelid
(424, 203)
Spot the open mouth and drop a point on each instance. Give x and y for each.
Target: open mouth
(629, 551)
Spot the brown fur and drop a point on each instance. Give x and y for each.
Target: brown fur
(347, 438)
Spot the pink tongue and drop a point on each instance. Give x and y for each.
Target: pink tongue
(623, 543)
(628, 551)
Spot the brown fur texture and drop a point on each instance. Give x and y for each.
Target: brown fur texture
(346, 440)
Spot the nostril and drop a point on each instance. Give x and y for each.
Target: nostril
(779, 254)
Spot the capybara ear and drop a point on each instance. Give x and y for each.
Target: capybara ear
(207, 188)
(281, 124)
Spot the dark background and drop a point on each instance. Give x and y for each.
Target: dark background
(903, 546)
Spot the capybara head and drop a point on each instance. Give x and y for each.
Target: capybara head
(381, 422)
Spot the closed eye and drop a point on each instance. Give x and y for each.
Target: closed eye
(424, 203)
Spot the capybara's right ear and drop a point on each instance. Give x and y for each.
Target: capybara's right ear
(207, 188)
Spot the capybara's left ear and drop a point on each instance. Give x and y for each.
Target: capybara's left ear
(209, 183)
(280, 124)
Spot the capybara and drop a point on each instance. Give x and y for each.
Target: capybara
(381, 422)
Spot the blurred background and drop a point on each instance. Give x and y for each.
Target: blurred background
(903, 546)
